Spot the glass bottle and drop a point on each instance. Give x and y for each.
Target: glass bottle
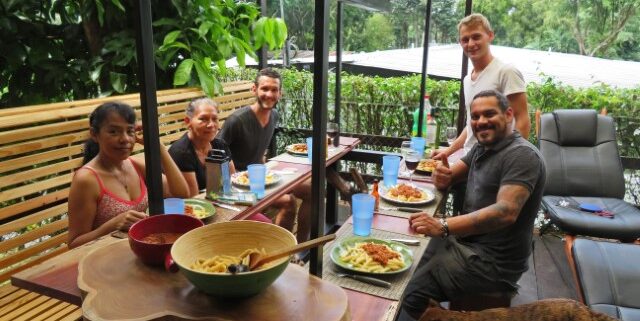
(375, 194)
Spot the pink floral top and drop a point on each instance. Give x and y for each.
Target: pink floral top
(110, 205)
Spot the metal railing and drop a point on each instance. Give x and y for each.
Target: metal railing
(378, 135)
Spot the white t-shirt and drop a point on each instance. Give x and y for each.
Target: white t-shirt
(502, 77)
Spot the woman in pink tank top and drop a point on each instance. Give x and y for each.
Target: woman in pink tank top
(109, 192)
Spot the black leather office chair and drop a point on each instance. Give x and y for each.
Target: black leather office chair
(608, 277)
(583, 166)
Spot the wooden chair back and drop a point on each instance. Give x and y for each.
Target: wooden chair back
(40, 148)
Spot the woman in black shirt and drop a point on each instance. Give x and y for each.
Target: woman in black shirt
(189, 152)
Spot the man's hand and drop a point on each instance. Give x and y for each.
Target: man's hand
(442, 175)
(438, 154)
(426, 224)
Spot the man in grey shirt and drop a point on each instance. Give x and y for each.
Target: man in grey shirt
(248, 132)
(248, 139)
(489, 246)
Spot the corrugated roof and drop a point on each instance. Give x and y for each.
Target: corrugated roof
(446, 61)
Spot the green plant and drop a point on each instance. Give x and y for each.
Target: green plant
(210, 32)
(60, 50)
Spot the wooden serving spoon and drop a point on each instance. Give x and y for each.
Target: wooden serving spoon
(256, 259)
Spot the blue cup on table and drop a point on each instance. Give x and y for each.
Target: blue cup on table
(390, 167)
(309, 145)
(173, 206)
(418, 144)
(257, 178)
(362, 213)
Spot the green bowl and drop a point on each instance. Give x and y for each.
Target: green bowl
(231, 238)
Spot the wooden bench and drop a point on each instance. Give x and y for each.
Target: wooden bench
(40, 147)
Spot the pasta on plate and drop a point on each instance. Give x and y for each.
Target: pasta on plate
(242, 178)
(406, 193)
(297, 148)
(372, 257)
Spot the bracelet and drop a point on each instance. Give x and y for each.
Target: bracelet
(444, 228)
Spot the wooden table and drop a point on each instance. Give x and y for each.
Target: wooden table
(303, 172)
(57, 277)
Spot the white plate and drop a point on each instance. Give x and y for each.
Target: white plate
(429, 196)
(275, 178)
(340, 247)
(290, 150)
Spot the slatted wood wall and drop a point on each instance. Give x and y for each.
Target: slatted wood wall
(41, 146)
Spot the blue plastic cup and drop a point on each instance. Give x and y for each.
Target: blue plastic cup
(418, 144)
(390, 166)
(257, 179)
(173, 206)
(309, 145)
(362, 213)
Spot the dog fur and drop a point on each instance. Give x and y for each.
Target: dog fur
(543, 310)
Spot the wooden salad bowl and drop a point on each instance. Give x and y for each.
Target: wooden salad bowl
(232, 238)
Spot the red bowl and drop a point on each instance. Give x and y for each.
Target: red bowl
(155, 254)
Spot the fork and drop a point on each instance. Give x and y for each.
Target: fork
(365, 279)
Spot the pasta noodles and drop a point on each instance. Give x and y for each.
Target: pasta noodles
(220, 263)
(243, 178)
(372, 257)
(406, 193)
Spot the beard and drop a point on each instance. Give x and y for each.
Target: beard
(490, 134)
(262, 105)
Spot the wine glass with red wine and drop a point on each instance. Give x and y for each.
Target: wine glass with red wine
(411, 160)
(333, 129)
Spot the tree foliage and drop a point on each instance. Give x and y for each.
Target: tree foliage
(57, 50)
(602, 28)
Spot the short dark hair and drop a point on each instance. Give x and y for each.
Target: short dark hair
(503, 103)
(191, 107)
(268, 72)
(97, 119)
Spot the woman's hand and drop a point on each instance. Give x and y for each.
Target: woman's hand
(139, 134)
(125, 219)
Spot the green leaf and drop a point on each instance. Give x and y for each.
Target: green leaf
(165, 22)
(118, 81)
(259, 33)
(269, 34)
(165, 57)
(223, 45)
(118, 4)
(204, 28)
(100, 8)
(94, 75)
(176, 44)
(183, 72)
(222, 66)
(171, 37)
(238, 47)
(205, 77)
(281, 32)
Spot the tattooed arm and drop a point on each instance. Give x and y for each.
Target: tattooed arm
(504, 212)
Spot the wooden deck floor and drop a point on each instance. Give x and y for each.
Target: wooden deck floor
(549, 275)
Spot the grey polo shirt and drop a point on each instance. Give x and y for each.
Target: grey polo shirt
(512, 161)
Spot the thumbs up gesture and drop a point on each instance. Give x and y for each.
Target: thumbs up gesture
(442, 175)
(445, 162)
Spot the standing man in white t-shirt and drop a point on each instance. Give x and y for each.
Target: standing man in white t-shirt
(475, 36)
